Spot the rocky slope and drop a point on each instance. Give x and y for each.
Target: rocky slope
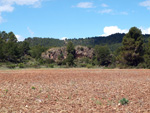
(61, 53)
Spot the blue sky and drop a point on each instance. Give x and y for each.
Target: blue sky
(73, 18)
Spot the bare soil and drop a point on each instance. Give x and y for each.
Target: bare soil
(74, 91)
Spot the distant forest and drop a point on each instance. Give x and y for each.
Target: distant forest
(113, 41)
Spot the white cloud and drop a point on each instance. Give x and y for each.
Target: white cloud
(21, 2)
(6, 8)
(104, 5)
(63, 38)
(85, 5)
(105, 11)
(8, 5)
(20, 38)
(30, 31)
(146, 4)
(108, 30)
(145, 30)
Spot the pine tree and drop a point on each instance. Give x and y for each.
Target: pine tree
(71, 54)
(132, 50)
(102, 55)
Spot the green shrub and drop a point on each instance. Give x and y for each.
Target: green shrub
(89, 66)
(51, 65)
(33, 87)
(49, 61)
(122, 66)
(11, 66)
(83, 65)
(21, 65)
(124, 101)
(35, 65)
(41, 61)
(143, 65)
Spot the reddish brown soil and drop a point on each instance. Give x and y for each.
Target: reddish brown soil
(74, 91)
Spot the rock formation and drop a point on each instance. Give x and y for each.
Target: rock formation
(61, 53)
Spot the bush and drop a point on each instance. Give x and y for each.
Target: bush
(122, 66)
(142, 65)
(85, 60)
(112, 66)
(11, 66)
(60, 63)
(51, 65)
(35, 65)
(49, 61)
(70, 60)
(33, 88)
(41, 61)
(83, 65)
(124, 101)
(21, 65)
(89, 66)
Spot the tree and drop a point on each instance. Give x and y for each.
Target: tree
(147, 56)
(24, 48)
(12, 37)
(11, 51)
(70, 60)
(103, 56)
(1, 49)
(132, 50)
(36, 51)
(70, 54)
(70, 48)
(4, 36)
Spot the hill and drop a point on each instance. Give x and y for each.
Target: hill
(113, 41)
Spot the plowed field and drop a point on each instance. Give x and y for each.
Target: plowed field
(74, 91)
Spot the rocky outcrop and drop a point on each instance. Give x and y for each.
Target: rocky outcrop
(61, 53)
(82, 51)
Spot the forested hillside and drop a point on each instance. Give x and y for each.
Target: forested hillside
(90, 41)
(113, 41)
(46, 42)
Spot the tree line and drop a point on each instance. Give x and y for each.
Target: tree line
(132, 52)
(113, 41)
(13, 51)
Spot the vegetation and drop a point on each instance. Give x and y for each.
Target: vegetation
(36, 51)
(21, 65)
(146, 63)
(113, 41)
(33, 87)
(11, 66)
(46, 42)
(124, 101)
(70, 54)
(103, 56)
(131, 50)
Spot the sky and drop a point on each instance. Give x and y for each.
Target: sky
(73, 18)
